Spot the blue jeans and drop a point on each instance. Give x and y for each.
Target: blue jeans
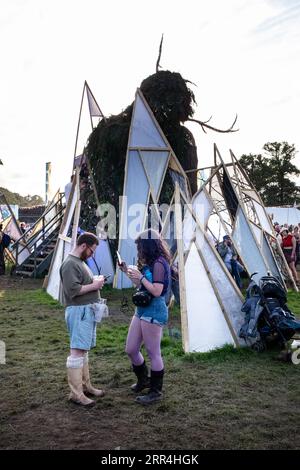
(235, 268)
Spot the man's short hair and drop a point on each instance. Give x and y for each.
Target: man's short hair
(226, 237)
(87, 237)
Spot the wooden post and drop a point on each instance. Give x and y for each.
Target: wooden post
(181, 271)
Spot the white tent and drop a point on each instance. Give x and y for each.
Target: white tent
(65, 242)
(284, 215)
(251, 227)
(102, 262)
(209, 298)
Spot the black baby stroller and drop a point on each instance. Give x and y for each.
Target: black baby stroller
(268, 320)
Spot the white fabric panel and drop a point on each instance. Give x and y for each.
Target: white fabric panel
(93, 105)
(53, 287)
(257, 232)
(263, 219)
(251, 193)
(202, 207)
(245, 242)
(54, 278)
(62, 249)
(188, 229)
(104, 261)
(137, 192)
(14, 232)
(269, 257)
(178, 178)
(207, 327)
(224, 284)
(169, 232)
(216, 228)
(155, 165)
(284, 215)
(144, 132)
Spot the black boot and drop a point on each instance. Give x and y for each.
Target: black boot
(142, 375)
(155, 392)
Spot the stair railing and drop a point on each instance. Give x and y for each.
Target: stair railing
(37, 238)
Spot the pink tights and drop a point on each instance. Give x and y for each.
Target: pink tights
(150, 334)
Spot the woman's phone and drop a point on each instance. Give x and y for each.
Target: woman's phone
(120, 261)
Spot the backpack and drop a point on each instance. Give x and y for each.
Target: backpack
(6, 240)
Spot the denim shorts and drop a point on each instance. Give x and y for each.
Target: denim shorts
(156, 312)
(80, 320)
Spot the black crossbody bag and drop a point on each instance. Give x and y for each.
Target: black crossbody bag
(141, 297)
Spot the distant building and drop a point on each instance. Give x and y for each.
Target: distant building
(30, 215)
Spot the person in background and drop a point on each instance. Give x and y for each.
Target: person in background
(297, 238)
(229, 255)
(289, 246)
(277, 229)
(68, 188)
(80, 296)
(23, 227)
(153, 274)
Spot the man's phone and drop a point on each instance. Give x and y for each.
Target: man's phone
(120, 261)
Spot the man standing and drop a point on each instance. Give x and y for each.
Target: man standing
(80, 295)
(229, 256)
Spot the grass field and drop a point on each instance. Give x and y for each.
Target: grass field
(227, 399)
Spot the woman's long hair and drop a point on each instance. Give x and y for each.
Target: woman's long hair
(151, 246)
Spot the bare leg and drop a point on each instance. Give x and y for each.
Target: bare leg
(152, 337)
(134, 342)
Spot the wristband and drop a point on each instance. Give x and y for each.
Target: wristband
(142, 278)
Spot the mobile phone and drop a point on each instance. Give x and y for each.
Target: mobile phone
(106, 277)
(120, 261)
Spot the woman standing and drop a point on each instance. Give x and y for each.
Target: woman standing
(153, 275)
(289, 246)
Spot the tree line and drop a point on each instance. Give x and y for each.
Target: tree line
(273, 173)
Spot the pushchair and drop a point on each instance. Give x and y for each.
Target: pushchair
(268, 320)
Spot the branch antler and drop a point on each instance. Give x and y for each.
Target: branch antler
(204, 125)
(159, 53)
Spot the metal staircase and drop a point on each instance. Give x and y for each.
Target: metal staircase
(40, 245)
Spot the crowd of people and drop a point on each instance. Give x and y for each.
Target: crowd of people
(288, 237)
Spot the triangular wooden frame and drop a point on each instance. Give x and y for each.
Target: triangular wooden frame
(182, 257)
(239, 195)
(63, 238)
(238, 168)
(172, 160)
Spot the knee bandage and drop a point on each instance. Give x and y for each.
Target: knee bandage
(74, 362)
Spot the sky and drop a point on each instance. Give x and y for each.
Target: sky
(243, 55)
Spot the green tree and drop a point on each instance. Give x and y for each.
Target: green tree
(272, 173)
(22, 201)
